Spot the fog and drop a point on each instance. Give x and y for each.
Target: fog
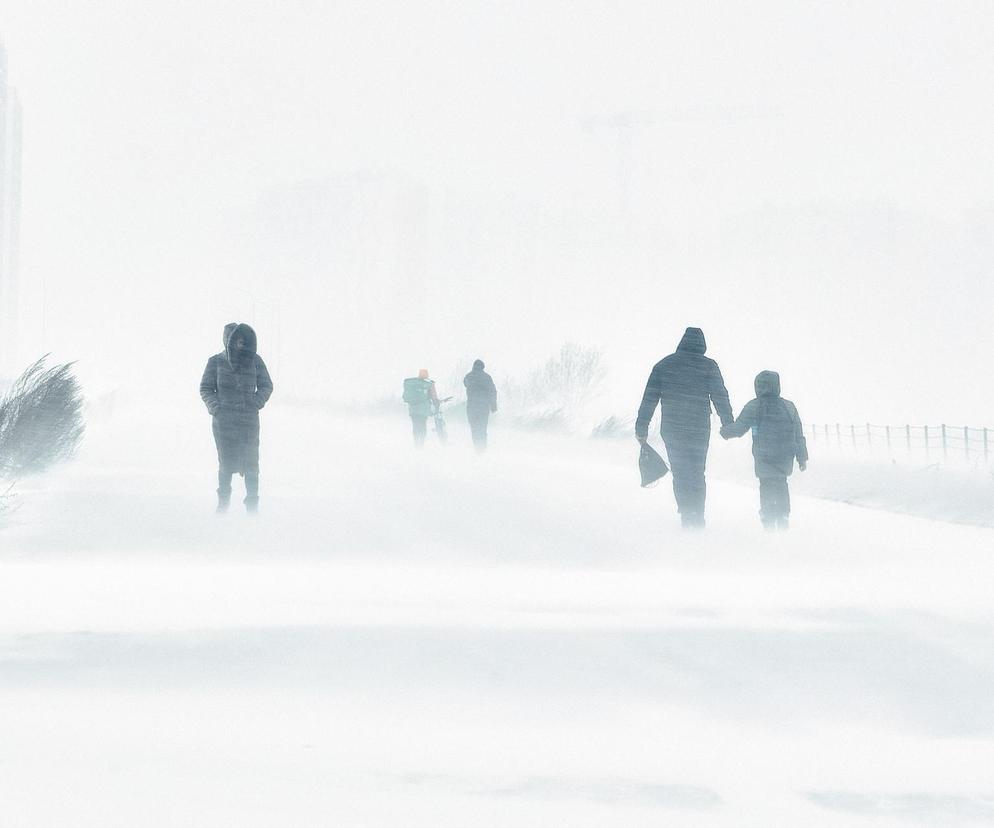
(380, 187)
(384, 636)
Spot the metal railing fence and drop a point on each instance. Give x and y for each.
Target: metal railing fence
(945, 441)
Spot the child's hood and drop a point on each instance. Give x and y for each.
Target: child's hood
(767, 384)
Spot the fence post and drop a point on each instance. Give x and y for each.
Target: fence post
(943, 439)
(926, 442)
(985, 445)
(852, 430)
(887, 430)
(838, 435)
(826, 432)
(869, 437)
(907, 437)
(966, 441)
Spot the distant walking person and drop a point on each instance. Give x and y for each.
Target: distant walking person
(235, 385)
(422, 403)
(685, 385)
(481, 402)
(777, 438)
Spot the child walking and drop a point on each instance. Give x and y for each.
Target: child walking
(777, 438)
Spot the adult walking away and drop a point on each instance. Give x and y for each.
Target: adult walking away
(685, 385)
(481, 402)
(234, 387)
(422, 403)
(777, 438)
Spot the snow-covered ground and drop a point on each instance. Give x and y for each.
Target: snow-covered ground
(437, 639)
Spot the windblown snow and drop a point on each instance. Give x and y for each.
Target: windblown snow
(439, 639)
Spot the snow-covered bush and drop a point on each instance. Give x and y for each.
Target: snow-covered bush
(613, 428)
(555, 393)
(41, 420)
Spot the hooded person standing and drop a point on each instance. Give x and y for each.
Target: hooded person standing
(234, 387)
(777, 439)
(685, 385)
(481, 402)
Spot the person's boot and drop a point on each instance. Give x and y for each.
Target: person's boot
(252, 505)
(783, 524)
(223, 501)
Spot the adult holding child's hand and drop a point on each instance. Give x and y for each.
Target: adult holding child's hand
(685, 385)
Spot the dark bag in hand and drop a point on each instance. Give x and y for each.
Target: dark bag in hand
(651, 465)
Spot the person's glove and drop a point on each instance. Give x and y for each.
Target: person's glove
(725, 432)
(802, 466)
(212, 408)
(642, 438)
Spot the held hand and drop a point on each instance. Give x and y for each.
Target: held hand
(725, 432)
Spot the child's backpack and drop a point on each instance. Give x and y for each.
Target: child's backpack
(416, 391)
(773, 436)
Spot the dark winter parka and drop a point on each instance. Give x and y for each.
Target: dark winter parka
(481, 393)
(684, 385)
(235, 385)
(777, 433)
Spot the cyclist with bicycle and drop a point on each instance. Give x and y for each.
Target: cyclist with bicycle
(422, 403)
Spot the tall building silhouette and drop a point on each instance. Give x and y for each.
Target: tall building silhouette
(10, 214)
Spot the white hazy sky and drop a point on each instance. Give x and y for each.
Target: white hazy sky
(151, 129)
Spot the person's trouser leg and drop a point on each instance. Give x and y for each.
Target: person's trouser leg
(251, 492)
(687, 465)
(785, 510)
(420, 425)
(223, 475)
(767, 502)
(223, 490)
(478, 428)
(774, 501)
(251, 468)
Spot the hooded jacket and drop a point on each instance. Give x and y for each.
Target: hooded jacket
(685, 385)
(481, 393)
(236, 381)
(777, 433)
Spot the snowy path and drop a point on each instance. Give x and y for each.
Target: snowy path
(525, 639)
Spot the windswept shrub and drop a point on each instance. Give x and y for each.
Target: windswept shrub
(41, 420)
(613, 428)
(550, 419)
(556, 391)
